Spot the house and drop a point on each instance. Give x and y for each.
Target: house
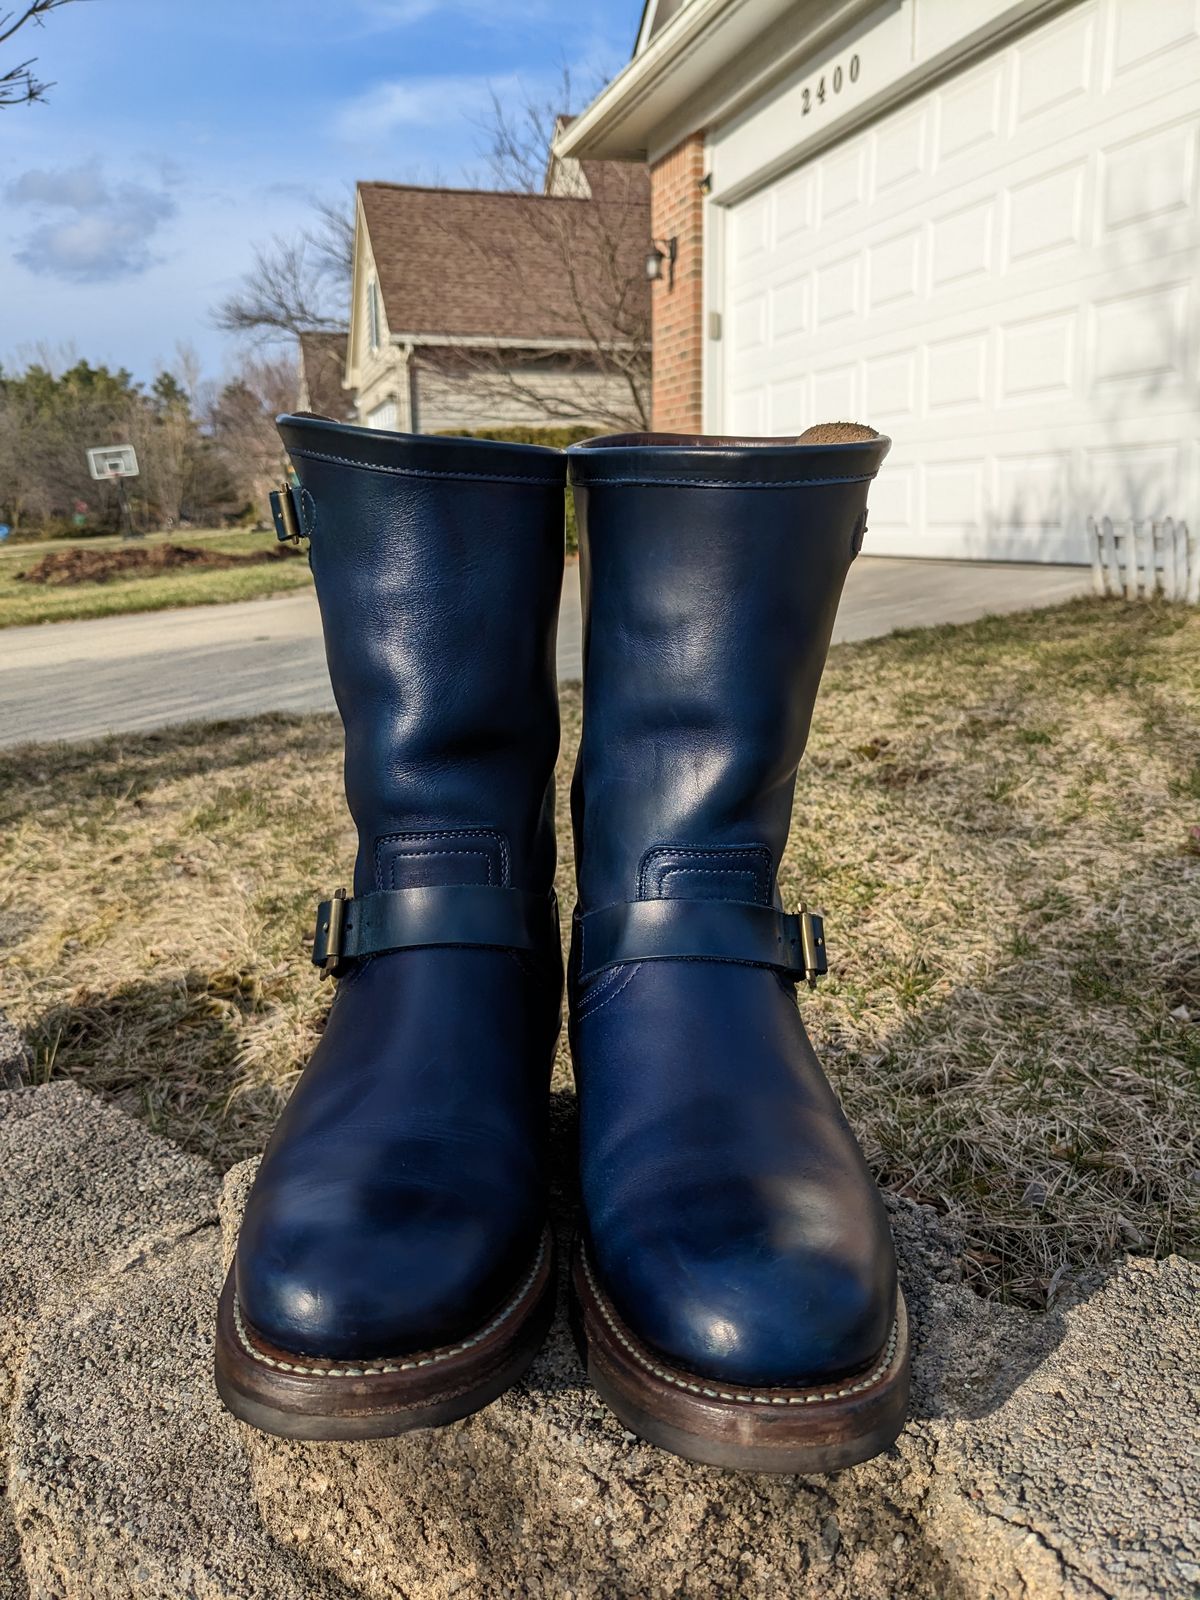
(476, 309)
(322, 364)
(971, 223)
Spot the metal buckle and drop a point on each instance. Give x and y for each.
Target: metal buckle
(812, 946)
(327, 941)
(283, 510)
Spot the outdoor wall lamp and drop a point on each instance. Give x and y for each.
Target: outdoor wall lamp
(662, 250)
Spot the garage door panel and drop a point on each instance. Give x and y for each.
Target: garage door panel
(1016, 300)
(1144, 32)
(895, 269)
(1148, 177)
(843, 182)
(969, 113)
(1055, 65)
(900, 155)
(791, 307)
(890, 392)
(1045, 214)
(1140, 339)
(1145, 478)
(956, 373)
(838, 285)
(1037, 358)
(789, 409)
(961, 243)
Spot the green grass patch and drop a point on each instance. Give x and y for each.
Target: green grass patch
(22, 603)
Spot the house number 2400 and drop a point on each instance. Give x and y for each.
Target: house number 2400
(827, 83)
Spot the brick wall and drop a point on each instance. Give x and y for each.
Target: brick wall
(677, 211)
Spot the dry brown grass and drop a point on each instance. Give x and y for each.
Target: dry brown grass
(996, 819)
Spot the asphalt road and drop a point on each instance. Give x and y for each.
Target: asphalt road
(76, 680)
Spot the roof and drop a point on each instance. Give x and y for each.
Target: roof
(323, 362)
(457, 263)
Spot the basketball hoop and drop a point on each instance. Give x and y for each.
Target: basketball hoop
(116, 462)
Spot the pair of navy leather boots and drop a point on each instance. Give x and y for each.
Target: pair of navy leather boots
(733, 1282)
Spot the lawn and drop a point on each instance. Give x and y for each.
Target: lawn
(28, 602)
(1000, 820)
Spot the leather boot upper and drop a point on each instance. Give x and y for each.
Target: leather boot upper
(729, 1213)
(400, 1197)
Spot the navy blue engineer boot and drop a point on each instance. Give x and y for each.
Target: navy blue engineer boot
(735, 1282)
(394, 1266)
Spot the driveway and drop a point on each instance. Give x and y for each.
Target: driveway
(74, 680)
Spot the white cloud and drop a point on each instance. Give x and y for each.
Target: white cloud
(84, 229)
(429, 102)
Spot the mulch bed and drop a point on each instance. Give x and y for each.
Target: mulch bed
(141, 561)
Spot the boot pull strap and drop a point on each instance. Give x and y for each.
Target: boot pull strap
(450, 914)
(701, 930)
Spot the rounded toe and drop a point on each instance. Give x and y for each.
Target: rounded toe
(418, 1284)
(769, 1321)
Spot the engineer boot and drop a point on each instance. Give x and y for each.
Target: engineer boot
(735, 1283)
(394, 1265)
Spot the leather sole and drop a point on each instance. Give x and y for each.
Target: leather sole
(305, 1397)
(820, 1429)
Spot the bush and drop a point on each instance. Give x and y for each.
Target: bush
(553, 439)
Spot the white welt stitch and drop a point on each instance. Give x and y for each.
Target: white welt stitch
(711, 483)
(371, 1368)
(421, 472)
(766, 1397)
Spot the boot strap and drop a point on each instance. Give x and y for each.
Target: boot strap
(450, 914)
(701, 930)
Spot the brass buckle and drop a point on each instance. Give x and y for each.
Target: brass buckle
(283, 510)
(812, 946)
(327, 942)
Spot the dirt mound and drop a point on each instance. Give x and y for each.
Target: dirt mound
(140, 561)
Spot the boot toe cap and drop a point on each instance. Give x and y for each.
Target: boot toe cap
(764, 1321)
(365, 1293)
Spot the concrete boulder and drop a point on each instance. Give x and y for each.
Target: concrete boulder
(1047, 1456)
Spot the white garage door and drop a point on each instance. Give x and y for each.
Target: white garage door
(1003, 275)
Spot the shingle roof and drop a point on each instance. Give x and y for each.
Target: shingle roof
(489, 263)
(323, 359)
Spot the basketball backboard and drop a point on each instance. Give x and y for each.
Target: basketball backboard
(113, 461)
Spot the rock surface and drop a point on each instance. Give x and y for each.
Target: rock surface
(1050, 1456)
(84, 1190)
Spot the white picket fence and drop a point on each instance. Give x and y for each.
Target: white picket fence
(1140, 558)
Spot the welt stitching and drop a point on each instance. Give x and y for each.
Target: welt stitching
(758, 1397)
(419, 472)
(364, 1369)
(612, 994)
(719, 483)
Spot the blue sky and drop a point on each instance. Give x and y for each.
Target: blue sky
(177, 135)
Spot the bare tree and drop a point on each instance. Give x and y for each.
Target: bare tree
(18, 84)
(241, 422)
(296, 286)
(592, 239)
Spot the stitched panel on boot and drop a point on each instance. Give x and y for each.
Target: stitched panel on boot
(674, 872)
(431, 858)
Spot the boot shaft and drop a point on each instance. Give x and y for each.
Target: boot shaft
(711, 573)
(438, 568)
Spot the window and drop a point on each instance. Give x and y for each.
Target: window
(373, 313)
